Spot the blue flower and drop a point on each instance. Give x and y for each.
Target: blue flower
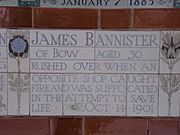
(18, 46)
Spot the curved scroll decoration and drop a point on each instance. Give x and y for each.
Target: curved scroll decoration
(51, 1)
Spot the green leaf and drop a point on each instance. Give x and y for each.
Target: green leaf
(19, 81)
(177, 53)
(177, 45)
(164, 54)
(25, 55)
(176, 60)
(163, 80)
(170, 51)
(165, 60)
(176, 88)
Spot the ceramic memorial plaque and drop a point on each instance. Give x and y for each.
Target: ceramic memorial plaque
(90, 73)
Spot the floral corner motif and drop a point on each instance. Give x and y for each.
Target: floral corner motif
(170, 49)
(18, 51)
(18, 47)
(170, 85)
(18, 84)
(53, 2)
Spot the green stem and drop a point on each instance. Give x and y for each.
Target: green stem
(19, 88)
(170, 86)
(18, 62)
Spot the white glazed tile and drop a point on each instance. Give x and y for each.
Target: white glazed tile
(151, 3)
(84, 4)
(169, 52)
(142, 95)
(3, 94)
(94, 94)
(18, 94)
(127, 51)
(3, 56)
(60, 51)
(46, 94)
(169, 94)
(18, 45)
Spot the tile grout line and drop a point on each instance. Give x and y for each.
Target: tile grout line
(131, 18)
(7, 74)
(99, 19)
(158, 109)
(126, 95)
(62, 113)
(50, 126)
(147, 127)
(32, 17)
(83, 125)
(178, 129)
(29, 78)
